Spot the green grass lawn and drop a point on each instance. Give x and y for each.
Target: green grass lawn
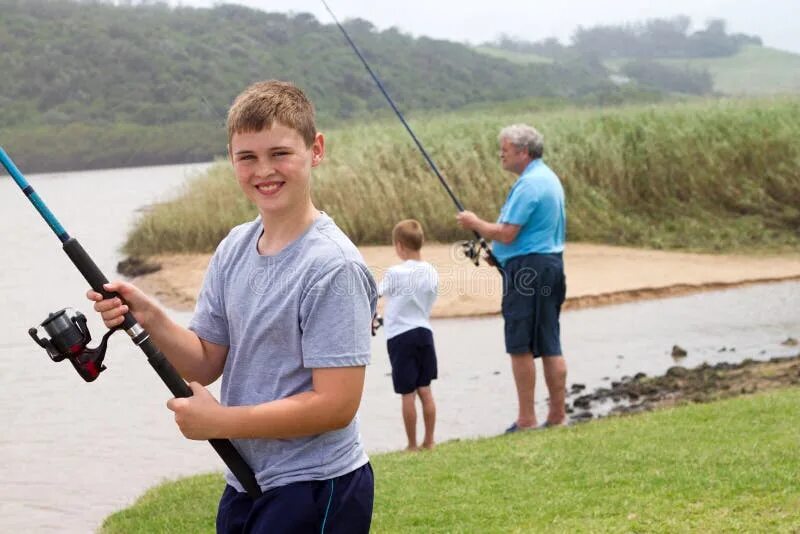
(730, 466)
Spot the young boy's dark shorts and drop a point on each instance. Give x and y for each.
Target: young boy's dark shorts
(534, 288)
(413, 360)
(341, 505)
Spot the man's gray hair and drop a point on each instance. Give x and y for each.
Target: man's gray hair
(524, 136)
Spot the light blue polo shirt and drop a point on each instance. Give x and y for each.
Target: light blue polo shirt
(536, 203)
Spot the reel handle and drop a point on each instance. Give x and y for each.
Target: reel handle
(46, 345)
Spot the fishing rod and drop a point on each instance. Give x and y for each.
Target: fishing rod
(69, 335)
(471, 248)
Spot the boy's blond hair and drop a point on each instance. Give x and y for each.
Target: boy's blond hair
(263, 103)
(409, 234)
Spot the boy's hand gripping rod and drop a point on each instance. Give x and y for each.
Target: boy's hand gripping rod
(139, 335)
(469, 247)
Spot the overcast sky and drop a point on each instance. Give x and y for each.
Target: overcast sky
(775, 21)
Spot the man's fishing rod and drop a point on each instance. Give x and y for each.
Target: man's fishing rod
(69, 336)
(469, 247)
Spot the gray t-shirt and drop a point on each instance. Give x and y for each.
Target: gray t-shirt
(306, 307)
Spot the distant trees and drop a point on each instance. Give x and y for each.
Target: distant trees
(148, 63)
(89, 83)
(550, 47)
(661, 38)
(715, 42)
(669, 78)
(643, 44)
(655, 38)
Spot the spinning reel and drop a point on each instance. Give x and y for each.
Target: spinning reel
(69, 337)
(472, 251)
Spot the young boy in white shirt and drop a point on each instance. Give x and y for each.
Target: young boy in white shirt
(410, 291)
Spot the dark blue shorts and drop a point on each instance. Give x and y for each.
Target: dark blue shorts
(341, 505)
(413, 360)
(534, 288)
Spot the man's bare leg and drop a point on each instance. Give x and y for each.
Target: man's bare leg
(410, 420)
(555, 375)
(524, 370)
(428, 415)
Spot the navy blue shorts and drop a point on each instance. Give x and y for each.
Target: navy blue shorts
(413, 360)
(341, 505)
(534, 288)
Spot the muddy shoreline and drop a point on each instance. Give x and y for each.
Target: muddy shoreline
(679, 385)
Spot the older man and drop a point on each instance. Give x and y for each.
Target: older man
(528, 241)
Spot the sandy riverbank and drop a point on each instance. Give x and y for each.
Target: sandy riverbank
(596, 275)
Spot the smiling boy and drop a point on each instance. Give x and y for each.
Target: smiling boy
(284, 318)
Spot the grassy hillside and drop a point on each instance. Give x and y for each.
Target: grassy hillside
(147, 70)
(706, 175)
(730, 466)
(147, 63)
(754, 70)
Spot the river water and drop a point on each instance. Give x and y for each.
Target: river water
(71, 453)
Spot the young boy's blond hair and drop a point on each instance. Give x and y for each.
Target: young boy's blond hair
(409, 234)
(264, 103)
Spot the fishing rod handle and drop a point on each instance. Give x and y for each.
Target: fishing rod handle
(161, 364)
(92, 273)
(238, 466)
(179, 388)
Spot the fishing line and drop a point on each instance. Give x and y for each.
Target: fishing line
(471, 248)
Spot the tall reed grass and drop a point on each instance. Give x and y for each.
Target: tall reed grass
(712, 175)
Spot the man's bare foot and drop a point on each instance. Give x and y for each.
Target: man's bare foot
(549, 424)
(412, 448)
(516, 427)
(429, 446)
(556, 417)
